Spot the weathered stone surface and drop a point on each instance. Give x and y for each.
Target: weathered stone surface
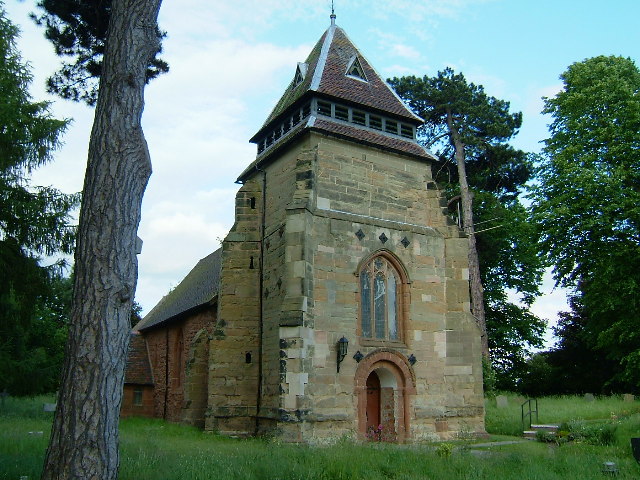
(273, 348)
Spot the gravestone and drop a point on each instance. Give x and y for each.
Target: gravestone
(635, 448)
(628, 397)
(49, 407)
(589, 397)
(502, 401)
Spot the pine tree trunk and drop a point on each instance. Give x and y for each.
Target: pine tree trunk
(84, 437)
(475, 281)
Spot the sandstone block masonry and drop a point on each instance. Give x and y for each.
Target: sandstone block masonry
(331, 208)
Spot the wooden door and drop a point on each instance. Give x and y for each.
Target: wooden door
(373, 403)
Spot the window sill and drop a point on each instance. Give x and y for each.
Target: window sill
(374, 342)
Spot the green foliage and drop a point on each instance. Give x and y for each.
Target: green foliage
(154, 449)
(587, 204)
(496, 173)
(78, 29)
(602, 434)
(444, 450)
(33, 221)
(489, 379)
(557, 410)
(136, 310)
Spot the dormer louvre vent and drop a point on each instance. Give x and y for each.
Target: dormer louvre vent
(354, 69)
(301, 73)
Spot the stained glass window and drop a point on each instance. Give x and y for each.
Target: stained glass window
(365, 295)
(379, 306)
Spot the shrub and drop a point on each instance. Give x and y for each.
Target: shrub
(444, 450)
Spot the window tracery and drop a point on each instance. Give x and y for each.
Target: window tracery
(380, 300)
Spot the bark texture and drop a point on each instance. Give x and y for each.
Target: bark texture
(475, 281)
(84, 438)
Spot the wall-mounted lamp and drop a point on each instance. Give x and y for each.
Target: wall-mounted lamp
(343, 346)
(412, 359)
(358, 356)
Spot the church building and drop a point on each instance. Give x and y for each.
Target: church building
(338, 304)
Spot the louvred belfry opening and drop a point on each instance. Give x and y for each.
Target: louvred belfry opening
(355, 70)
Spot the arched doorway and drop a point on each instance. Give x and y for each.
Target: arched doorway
(382, 405)
(384, 382)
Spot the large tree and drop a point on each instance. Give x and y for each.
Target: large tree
(34, 221)
(84, 437)
(469, 131)
(78, 30)
(587, 202)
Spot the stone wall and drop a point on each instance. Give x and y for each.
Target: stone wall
(173, 352)
(234, 352)
(330, 206)
(354, 190)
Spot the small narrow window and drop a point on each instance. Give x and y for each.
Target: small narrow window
(358, 117)
(390, 126)
(306, 110)
(342, 113)
(375, 122)
(406, 130)
(324, 108)
(247, 357)
(252, 203)
(137, 397)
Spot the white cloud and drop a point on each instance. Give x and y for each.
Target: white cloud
(405, 51)
(230, 62)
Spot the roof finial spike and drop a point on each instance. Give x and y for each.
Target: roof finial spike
(333, 15)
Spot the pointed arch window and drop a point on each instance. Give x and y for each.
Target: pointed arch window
(381, 306)
(354, 69)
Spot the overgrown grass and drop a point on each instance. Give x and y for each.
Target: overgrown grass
(152, 449)
(555, 410)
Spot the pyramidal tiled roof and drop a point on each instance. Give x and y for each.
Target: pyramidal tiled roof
(198, 288)
(326, 68)
(337, 91)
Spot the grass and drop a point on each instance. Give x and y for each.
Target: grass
(555, 410)
(152, 449)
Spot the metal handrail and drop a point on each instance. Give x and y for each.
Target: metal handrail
(529, 413)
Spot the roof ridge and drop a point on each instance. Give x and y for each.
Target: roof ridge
(322, 60)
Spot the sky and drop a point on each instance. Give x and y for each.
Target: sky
(231, 61)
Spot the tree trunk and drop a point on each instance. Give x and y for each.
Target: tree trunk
(475, 282)
(84, 437)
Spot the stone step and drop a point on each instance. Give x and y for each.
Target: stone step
(545, 428)
(531, 434)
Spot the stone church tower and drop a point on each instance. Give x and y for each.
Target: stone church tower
(341, 238)
(339, 304)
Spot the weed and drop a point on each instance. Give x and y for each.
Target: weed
(444, 450)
